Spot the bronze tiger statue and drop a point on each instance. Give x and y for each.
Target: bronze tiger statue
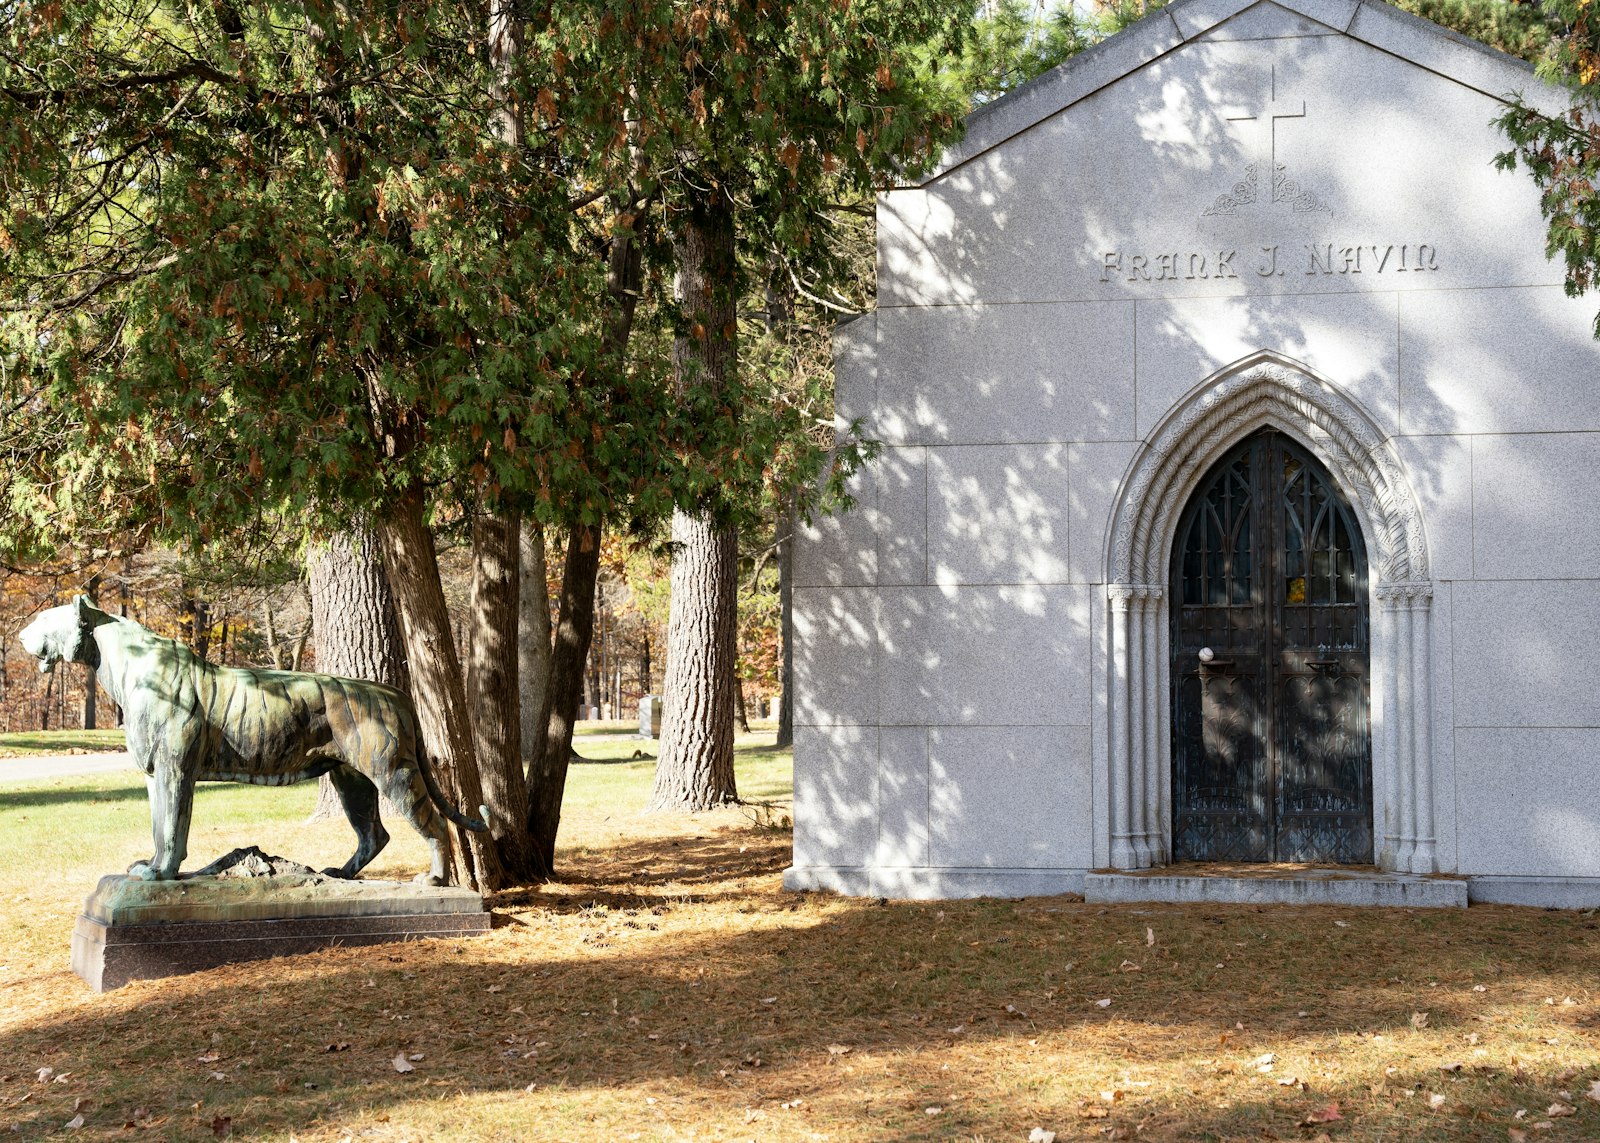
(189, 721)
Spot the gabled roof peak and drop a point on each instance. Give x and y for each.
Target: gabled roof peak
(1383, 26)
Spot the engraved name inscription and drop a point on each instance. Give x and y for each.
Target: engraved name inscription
(1308, 258)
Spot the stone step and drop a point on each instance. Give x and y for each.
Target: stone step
(1299, 887)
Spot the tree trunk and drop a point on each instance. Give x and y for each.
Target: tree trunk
(786, 523)
(547, 770)
(436, 684)
(91, 681)
(740, 714)
(270, 625)
(533, 630)
(492, 689)
(49, 693)
(695, 767)
(352, 612)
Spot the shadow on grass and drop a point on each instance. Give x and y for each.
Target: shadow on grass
(744, 1020)
(632, 875)
(620, 985)
(638, 755)
(73, 795)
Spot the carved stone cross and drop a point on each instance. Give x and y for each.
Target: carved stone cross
(1264, 145)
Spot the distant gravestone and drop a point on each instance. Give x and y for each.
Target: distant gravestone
(650, 707)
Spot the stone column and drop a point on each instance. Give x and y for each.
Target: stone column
(1394, 661)
(1124, 854)
(1419, 602)
(1408, 838)
(1149, 755)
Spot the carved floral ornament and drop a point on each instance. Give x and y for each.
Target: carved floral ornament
(1265, 389)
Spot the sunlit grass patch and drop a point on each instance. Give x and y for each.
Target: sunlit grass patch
(20, 742)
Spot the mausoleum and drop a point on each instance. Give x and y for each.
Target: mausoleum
(1239, 490)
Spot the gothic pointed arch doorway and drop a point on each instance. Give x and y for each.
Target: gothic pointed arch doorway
(1270, 655)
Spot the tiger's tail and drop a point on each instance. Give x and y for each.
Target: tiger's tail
(425, 765)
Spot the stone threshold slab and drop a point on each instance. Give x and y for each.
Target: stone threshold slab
(1290, 887)
(108, 956)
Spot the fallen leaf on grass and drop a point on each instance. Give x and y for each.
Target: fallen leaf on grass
(74, 1123)
(769, 1000)
(1149, 937)
(45, 1074)
(340, 1046)
(1593, 1092)
(403, 1065)
(1329, 1114)
(1106, 1003)
(1516, 1135)
(1015, 1013)
(1558, 1110)
(209, 1057)
(1452, 1066)
(1436, 1100)
(1419, 1020)
(1127, 966)
(1040, 1135)
(932, 1110)
(222, 1126)
(839, 1049)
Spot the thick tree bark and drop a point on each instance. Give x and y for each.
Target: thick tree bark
(352, 613)
(492, 666)
(695, 768)
(436, 684)
(533, 630)
(552, 747)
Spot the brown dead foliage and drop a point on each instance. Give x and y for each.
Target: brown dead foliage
(670, 989)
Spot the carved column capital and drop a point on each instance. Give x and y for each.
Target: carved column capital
(1413, 595)
(1131, 596)
(1122, 595)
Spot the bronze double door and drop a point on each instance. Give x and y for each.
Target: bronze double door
(1272, 740)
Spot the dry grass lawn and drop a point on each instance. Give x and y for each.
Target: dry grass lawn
(669, 989)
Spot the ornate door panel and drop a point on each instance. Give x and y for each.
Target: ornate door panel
(1271, 736)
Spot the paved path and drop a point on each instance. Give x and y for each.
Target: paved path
(33, 767)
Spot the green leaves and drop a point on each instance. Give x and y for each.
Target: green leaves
(1562, 153)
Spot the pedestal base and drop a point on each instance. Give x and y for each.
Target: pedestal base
(139, 930)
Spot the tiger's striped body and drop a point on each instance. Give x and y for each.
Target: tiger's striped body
(188, 720)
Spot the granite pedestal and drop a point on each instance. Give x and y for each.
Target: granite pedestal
(138, 930)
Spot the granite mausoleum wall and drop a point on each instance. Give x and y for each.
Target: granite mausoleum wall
(1224, 199)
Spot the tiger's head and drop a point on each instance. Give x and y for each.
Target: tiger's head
(63, 633)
